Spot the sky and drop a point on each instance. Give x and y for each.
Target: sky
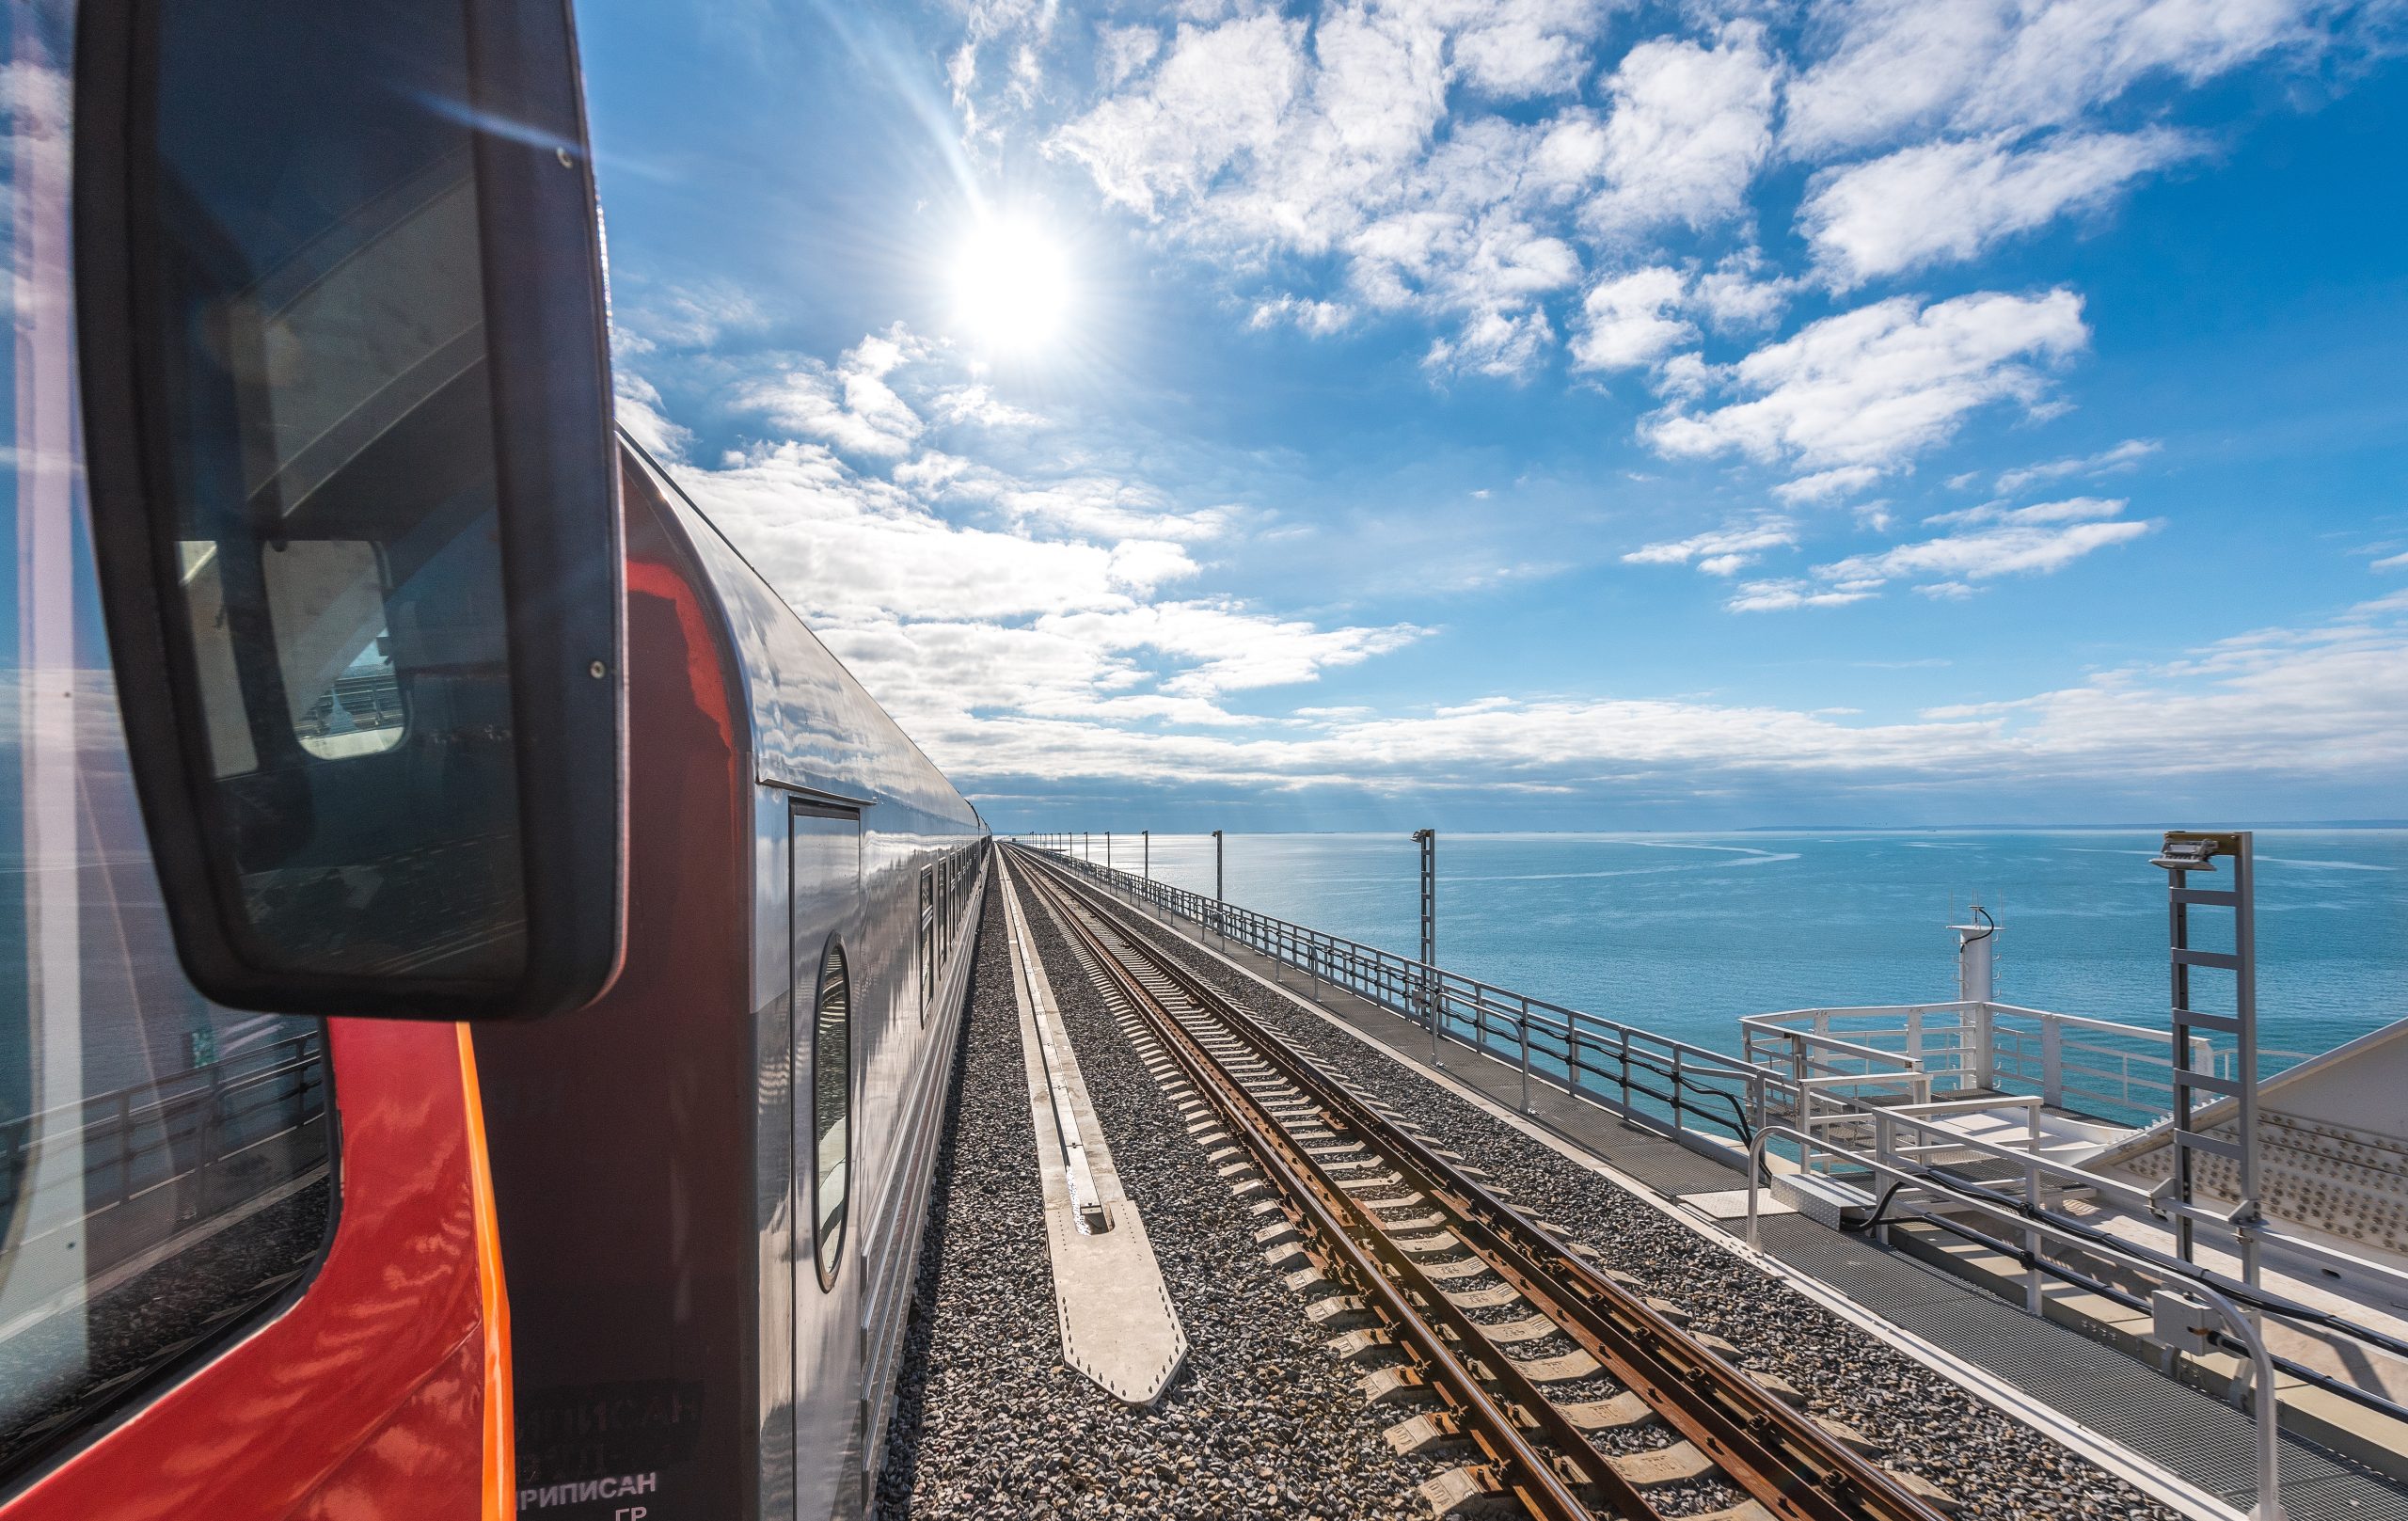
(1536, 413)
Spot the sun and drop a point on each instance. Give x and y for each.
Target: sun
(1012, 286)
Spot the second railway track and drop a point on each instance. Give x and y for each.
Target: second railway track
(1632, 1417)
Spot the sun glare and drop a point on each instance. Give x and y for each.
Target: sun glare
(1011, 287)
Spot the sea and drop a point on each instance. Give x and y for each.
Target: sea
(1683, 934)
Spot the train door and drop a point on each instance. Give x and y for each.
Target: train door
(823, 883)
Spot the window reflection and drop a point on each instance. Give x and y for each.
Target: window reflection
(831, 1079)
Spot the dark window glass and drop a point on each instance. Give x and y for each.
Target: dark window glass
(927, 940)
(309, 291)
(832, 1099)
(164, 1172)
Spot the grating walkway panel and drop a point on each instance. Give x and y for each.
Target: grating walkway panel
(2201, 1438)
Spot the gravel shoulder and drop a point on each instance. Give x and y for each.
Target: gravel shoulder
(1924, 1422)
(1261, 1421)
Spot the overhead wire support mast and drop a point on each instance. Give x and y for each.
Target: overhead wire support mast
(1788, 1467)
(1431, 994)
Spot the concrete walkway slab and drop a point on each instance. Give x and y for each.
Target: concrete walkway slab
(1118, 1324)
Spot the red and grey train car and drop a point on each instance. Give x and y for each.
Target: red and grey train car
(477, 977)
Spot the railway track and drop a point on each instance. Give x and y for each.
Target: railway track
(1554, 1387)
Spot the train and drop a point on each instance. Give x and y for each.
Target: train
(481, 978)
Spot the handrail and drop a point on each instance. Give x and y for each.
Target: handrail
(2138, 1200)
(2239, 1327)
(1467, 1011)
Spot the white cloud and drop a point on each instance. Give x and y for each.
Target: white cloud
(977, 406)
(1990, 542)
(1891, 67)
(1506, 345)
(637, 407)
(1942, 201)
(1319, 318)
(2071, 509)
(1737, 296)
(1823, 485)
(1034, 655)
(685, 316)
(1233, 649)
(849, 405)
(1785, 596)
(1875, 387)
(2124, 456)
(1261, 136)
(2398, 562)
(2276, 709)
(1624, 322)
(2032, 540)
(1220, 97)
(1718, 552)
(1515, 49)
(1121, 50)
(1690, 125)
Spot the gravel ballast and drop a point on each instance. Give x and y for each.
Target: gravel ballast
(1923, 1422)
(1261, 1421)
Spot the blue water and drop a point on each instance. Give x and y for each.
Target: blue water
(1685, 933)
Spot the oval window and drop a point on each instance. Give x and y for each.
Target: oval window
(832, 1095)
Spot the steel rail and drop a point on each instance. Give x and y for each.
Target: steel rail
(1340, 1226)
(1776, 1455)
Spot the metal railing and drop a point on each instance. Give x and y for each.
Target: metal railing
(2113, 1072)
(2032, 1237)
(1698, 1092)
(180, 1131)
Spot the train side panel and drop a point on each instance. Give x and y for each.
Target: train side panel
(823, 744)
(680, 1334)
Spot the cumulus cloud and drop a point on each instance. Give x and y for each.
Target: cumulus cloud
(971, 595)
(1263, 136)
(636, 403)
(849, 405)
(1944, 201)
(1624, 322)
(1121, 50)
(1888, 68)
(1515, 49)
(1687, 129)
(1497, 343)
(1030, 650)
(1739, 295)
(979, 405)
(1876, 386)
(1319, 318)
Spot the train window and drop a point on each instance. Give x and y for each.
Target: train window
(927, 940)
(326, 600)
(361, 569)
(831, 1101)
(163, 1173)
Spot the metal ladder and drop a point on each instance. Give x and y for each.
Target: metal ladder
(2186, 852)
